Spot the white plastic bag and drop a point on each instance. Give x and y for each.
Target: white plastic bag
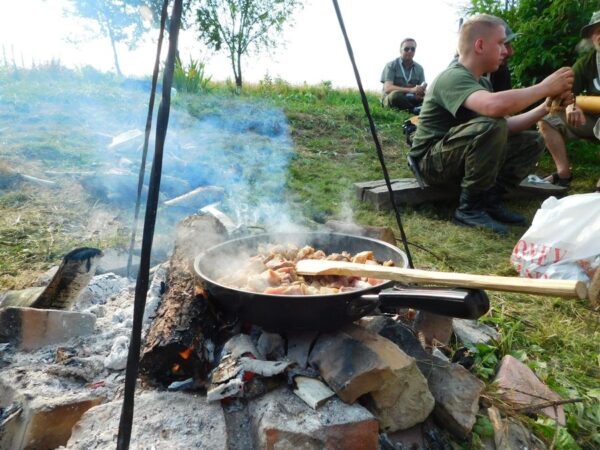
(563, 241)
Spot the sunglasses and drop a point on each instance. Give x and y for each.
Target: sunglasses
(409, 49)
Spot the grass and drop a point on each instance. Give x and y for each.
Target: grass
(332, 149)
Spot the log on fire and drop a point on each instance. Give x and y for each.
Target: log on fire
(181, 336)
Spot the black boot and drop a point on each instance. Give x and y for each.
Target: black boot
(471, 213)
(495, 208)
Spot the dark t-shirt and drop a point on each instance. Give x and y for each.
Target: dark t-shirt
(500, 79)
(443, 106)
(586, 71)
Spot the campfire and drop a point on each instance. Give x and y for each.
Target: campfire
(297, 375)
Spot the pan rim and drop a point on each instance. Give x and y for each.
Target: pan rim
(387, 283)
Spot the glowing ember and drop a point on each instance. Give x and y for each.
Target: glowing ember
(186, 353)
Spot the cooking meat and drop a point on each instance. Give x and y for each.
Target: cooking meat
(273, 271)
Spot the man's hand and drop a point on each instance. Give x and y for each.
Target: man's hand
(555, 105)
(575, 115)
(419, 91)
(559, 83)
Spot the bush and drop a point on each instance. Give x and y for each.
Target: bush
(190, 79)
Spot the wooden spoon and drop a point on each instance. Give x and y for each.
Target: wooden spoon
(558, 288)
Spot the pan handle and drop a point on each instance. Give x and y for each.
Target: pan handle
(459, 302)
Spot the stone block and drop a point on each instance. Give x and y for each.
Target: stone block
(433, 328)
(31, 328)
(455, 389)
(39, 422)
(281, 421)
(474, 332)
(520, 387)
(162, 420)
(49, 425)
(355, 362)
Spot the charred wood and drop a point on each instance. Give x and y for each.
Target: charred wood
(181, 338)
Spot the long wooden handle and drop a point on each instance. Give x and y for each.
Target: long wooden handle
(558, 288)
(588, 103)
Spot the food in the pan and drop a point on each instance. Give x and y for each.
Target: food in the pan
(273, 271)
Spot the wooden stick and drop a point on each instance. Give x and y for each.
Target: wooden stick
(588, 103)
(558, 288)
(543, 405)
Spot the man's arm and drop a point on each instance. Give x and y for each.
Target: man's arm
(506, 103)
(525, 120)
(389, 86)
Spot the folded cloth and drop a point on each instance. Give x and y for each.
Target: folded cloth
(535, 179)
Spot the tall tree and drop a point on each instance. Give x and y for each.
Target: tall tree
(549, 33)
(242, 25)
(118, 20)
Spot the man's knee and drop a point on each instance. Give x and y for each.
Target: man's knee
(498, 127)
(487, 133)
(552, 127)
(545, 128)
(484, 128)
(396, 100)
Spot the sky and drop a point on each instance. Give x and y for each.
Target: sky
(313, 49)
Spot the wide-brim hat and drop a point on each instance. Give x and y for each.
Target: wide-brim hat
(586, 31)
(510, 34)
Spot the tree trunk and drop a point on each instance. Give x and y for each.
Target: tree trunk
(103, 18)
(114, 50)
(238, 77)
(176, 344)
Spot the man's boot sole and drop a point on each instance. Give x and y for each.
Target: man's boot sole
(500, 231)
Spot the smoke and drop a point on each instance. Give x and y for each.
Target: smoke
(233, 151)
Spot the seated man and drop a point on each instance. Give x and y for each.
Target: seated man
(464, 136)
(500, 79)
(403, 79)
(573, 123)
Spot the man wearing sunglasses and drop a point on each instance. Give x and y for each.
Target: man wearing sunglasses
(476, 139)
(403, 80)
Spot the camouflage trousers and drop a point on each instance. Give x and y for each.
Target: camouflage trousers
(399, 100)
(479, 154)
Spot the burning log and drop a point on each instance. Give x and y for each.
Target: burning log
(180, 339)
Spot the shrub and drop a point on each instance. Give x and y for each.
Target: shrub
(191, 79)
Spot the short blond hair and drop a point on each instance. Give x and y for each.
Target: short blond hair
(475, 27)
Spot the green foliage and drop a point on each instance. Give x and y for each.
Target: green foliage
(483, 427)
(486, 360)
(239, 26)
(118, 20)
(549, 33)
(190, 79)
(560, 435)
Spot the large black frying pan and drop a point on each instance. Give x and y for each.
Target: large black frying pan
(324, 312)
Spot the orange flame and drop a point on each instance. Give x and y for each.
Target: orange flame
(176, 368)
(186, 353)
